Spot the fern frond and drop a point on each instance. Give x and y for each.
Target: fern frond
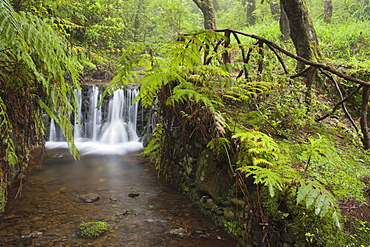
(181, 94)
(253, 152)
(245, 91)
(261, 162)
(266, 177)
(152, 147)
(152, 82)
(260, 139)
(220, 122)
(315, 194)
(44, 56)
(220, 147)
(6, 135)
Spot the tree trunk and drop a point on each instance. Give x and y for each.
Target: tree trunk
(206, 6)
(328, 11)
(364, 117)
(251, 7)
(275, 9)
(284, 24)
(302, 31)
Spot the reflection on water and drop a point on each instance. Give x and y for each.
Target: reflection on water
(50, 210)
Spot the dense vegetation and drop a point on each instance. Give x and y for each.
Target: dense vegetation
(307, 159)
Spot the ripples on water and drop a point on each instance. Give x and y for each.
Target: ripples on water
(49, 211)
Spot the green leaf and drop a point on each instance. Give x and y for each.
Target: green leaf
(265, 176)
(311, 197)
(303, 191)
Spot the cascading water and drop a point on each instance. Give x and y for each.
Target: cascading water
(109, 128)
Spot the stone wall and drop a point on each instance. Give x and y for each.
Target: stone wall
(213, 187)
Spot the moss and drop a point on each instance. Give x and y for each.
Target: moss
(309, 228)
(92, 229)
(271, 205)
(233, 228)
(332, 167)
(359, 233)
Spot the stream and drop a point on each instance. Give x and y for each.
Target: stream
(50, 209)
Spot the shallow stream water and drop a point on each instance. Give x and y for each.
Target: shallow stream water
(49, 211)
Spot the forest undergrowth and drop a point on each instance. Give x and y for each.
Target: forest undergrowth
(298, 141)
(305, 156)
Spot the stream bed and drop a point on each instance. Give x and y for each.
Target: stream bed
(50, 209)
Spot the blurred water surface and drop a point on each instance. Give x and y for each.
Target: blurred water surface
(49, 211)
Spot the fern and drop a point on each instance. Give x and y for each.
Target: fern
(259, 140)
(315, 194)
(266, 177)
(152, 150)
(6, 135)
(220, 147)
(187, 51)
(310, 192)
(180, 65)
(153, 145)
(42, 57)
(244, 92)
(185, 91)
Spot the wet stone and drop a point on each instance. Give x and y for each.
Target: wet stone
(90, 197)
(133, 194)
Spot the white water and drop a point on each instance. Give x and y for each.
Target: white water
(114, 133)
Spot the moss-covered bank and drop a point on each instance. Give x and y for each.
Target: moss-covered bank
(300, 195)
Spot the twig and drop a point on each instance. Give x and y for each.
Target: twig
(342, 99)
(339, 103)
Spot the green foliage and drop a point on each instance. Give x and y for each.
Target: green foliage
(231, 14)
(44, 54)
(309, 229)
(186, 91)
(179, 66)
(248, 92)
(221, 148)
(359, 233)
(347, 42)
(42, 60)
(331, 166)
(152, 150)
(266, 177)
(315, 194)
(180, 81)
(6, 135)
(257, 140)
(171, 18)
(105, 25)
(314, 149)
(92, 229)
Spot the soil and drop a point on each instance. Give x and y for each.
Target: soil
(359, 210)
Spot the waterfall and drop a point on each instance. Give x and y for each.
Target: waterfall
(78, 116)
(109, 128)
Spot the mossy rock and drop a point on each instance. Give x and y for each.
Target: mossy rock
(92, 229)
